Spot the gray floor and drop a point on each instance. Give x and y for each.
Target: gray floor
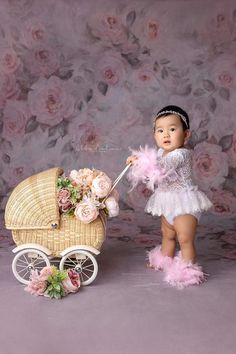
(127, 310)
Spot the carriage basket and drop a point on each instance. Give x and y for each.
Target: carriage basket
(32, 214)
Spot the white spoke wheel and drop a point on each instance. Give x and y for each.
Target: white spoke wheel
(83, 263)
(27, 260)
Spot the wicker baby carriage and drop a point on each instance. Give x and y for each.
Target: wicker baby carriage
(42, 234)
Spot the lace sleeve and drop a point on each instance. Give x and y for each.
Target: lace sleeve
(179, 157)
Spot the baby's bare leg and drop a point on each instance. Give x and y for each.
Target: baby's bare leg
(185, 227)
(168, 238)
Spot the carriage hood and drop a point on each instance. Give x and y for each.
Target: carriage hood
(33, 203)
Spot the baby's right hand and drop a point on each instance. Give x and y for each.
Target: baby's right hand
(131, 159)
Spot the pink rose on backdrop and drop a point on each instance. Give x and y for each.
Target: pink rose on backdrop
(224, 203)
(148, 29)
(138, 197)
(8, 87)
(219, 28)
(42, 60)
(86, 211)
(108, 28)
(112, 69)
(125, 114)
(224, 71)
(17, 173)
(232, 153)
(33, 32)
(9, 61)
(145, 77)
(210, 165)
(151, 29)
(131, 116)
(50, 101)
(85, 135)
(16, 115)
(101, 185)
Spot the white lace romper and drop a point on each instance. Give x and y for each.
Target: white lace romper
(178, 195)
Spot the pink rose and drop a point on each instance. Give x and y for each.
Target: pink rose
(112, 207)
(138, 197)
(145, 76)
(151, 29)
(217, 30)
(224, 71)
(148, 29)
(82, 177)
(8, 87)
(17, 173)
(66, 206)
(42, 60)
(85, 135)
(232, 153)
(33, 32)
(86, 212)
(68, 286)
(45, 273)
(51, 101)
(16, 114)
(224, 203)
(63, 195)
(210, 165)
(112, 69)
(63, 199)
(74, 277)
(101, 185)
(36, 286)
(9, 61)
(133, 116)
(108, 27)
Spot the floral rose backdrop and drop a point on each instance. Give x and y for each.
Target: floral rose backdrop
(81, 80)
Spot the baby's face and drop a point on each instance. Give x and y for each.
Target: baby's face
(169, 133)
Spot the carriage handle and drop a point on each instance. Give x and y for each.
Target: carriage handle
(117, 180)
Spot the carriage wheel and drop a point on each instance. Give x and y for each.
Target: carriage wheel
(27, 260)
(83, 262)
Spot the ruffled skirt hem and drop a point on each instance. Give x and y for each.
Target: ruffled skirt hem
(187, 201)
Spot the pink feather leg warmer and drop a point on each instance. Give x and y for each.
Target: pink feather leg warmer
(157, 260)
(182, 274)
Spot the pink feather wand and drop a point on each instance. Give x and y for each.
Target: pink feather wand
(146, 169)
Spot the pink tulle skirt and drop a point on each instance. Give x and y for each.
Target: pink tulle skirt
(186, 201)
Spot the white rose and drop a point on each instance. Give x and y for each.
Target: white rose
(101, 185)
(74, 175)
(86, 212)
(112, 207)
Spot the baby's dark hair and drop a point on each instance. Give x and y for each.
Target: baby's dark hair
(166, 111)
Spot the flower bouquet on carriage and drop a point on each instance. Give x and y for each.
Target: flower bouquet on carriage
(85, 192)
